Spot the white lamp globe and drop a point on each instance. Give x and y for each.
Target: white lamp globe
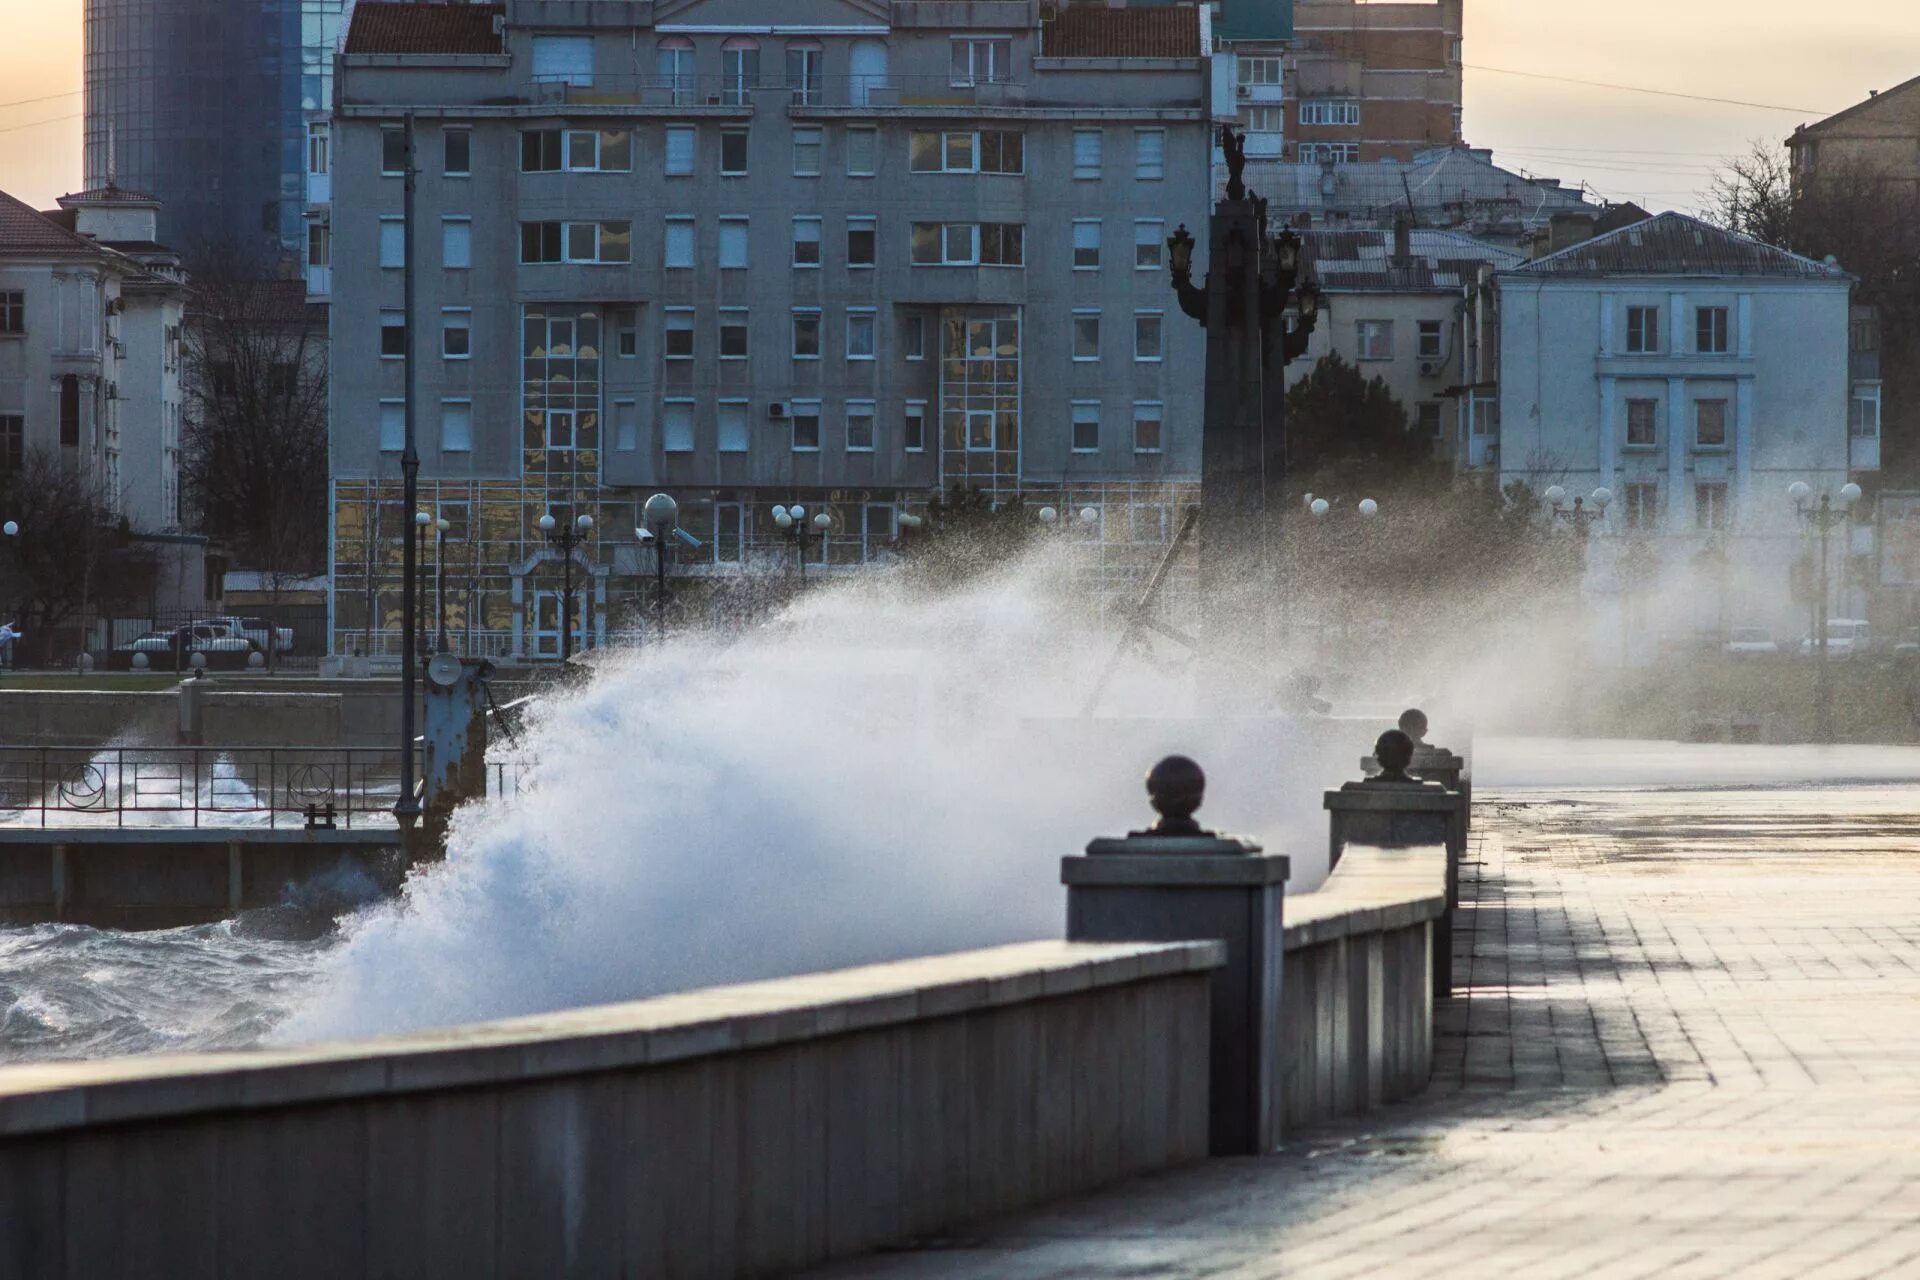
(11, 528)
(1849, 493)
(443, 524)
(1368, 507)
(1088, 516)
(1601, 497)
(584, 523)
(661, 509)
(1048, 515)
(422, 519)
(1799, 491)
(781, 519)
(779, 512)
(1320, 506)
(823, 522)
(1555, 495)
(797, 511)
(546, 523)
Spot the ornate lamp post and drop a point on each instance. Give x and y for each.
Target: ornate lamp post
(417, 644)
(566, 538)
(1819, 519)
(662, 515)
(793, 522)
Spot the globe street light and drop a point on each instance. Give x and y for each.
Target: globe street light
(1819, 519)
(12, 531)
(660, 515)
(441, 526)
(566, 538)
(794, 523)
(422, 521)
(1086, 517)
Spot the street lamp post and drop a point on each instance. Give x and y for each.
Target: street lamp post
(661, 514)
(793, 521)
(566, 538)
(1820, 519)
(441, 527)
(12, 531)
(1321, 509)
(1086, 518)
(417, 643)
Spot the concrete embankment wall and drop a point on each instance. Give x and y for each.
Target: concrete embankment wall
(737, 1131)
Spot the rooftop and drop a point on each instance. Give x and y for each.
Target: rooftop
(1439, 261)
(1675, 244)
(1098, 32)
(25, 230)
(109, 194)
(1447, 186)
(383, 26)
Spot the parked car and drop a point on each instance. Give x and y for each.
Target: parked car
(1750, 642)
(1846, 638)
(258, 630)
(200, 637)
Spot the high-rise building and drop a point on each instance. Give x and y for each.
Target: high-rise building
(204, 104)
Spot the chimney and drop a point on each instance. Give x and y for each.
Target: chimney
(1569, 229)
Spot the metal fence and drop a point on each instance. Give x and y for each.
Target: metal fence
(198, 786)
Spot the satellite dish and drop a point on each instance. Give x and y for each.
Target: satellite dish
(444, 670)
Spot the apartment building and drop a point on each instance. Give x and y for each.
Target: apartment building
(849, 258)
(1877, 140)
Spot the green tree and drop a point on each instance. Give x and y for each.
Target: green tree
(1346, 432)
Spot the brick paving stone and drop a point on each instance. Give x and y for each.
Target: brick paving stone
(1689, 1046)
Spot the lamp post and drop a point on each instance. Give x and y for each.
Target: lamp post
(566, 538)
(11, 529)
(904, 523)
(794, 523)
(441, 527)
(417, 644)
(1323, 508)
(1819, 519)
(1086, 518)
(407, 808)
(661, 514)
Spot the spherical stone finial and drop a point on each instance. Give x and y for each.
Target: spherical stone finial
(1176, 786)
(1413, 723)
(1394, 752)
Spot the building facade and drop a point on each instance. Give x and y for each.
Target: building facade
(871, 252)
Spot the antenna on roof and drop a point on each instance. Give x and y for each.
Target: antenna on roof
(111, 165)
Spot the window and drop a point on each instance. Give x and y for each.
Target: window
(13, 437)
(1643, 424)
(1710, 331)
(1149, 154)
(806, 153)
(1642, 499)
(806, 242)
(859, 426)
(679, 333)
(676, 426)
(679, 151)
(913, 427)
(863, 151)
(626, 332)
(393, 426)
(563, 60)
(540, 151)
(1086, 426)
(13, 305)
(803, 71)
(1710, 424)
(982, 60)
(1429, 341)
(805, 417)
(1864, 335)
(576, 242)
(1329, 152)
(456, 426)
(1376, 339)
(1329, 111)
(1429, 420)
(733, 333)
(733, 152)
(806, 333)
(1863, 412)
(1086, 244)
(679, 243)
(733, 243)
(1086, 153)
(732, 437)
(456, 333)
(70, 411)
(968, 244)
(1086, 335)
(457, 152)
(1146, 426)
(966, 151)
(1262, 71)
(913, 337)
(862, 240)
(626, 425)
(393, 335)
(1148, 237)
(1146, 336)
(1643, 330)
(393, 242)
(319, 148)
(599, 151)
(1263, 118)
(456, 243)
(860, 333)
(1710, 506)
(739, 70)
(673, 67)
(393, 152)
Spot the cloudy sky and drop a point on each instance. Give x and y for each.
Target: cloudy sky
(1657, 150)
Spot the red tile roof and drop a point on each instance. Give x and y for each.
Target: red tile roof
(383, 26)
(1095, 31)
(23, 229)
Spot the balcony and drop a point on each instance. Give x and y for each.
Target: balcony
(854, 92)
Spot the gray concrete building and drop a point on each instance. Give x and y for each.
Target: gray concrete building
(849, 258)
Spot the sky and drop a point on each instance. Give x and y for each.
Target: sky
(1657, 151)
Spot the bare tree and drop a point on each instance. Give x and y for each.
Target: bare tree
(1753, 195)
(72, 547)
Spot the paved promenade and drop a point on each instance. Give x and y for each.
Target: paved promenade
(1691, 1047)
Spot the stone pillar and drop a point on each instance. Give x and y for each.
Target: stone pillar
(1175, 882)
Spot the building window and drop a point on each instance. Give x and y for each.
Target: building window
(1146, 426)
(1864, 336)
(806, 333)
(1262, 71)
(13, 442)
(1643, 424)
(733, 243)
(863, 152)
(733, 333)
(1429, 420)
(1340, 111)
(1002, 151)
(1086, 426)
(803, 71)
(456, 426)
(1146, 337)
(1710, 506)
(1710, 424)
(860, 335)
(806, 242)
(982, 60)
(862, 240)
(456, 243)
(393, 242)
(679, 246)
(13, 306)
(1375, 338)
(1429, 341)
(393, 152)
(1863, 411)
(457, 152)
(626, 425)
(1643, 331)
(540, 151)
(1149, 154)
(806, 153)
(673, 68)
(599, 151)
(1710, 331)
(456, 333)
(1086, 244)
(393, 426)
(1642, 504)
(806, 425)
(1268, 118)
(319, 148)
(679, 333)
(733, 153)
(680, 150)
(1086, 153)
(740, 70)
(1329, 152)
(563, 60)
(969, 244)
(913, 337)
(393, 335)
(913, 427)
(676, 426)
(1148, 237)
(859, 426)
(1086, 335)
(547, 242)
(732, 434)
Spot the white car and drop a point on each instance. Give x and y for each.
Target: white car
(1846, 638)
(1749, 641)
(200, 638)
(257, 630)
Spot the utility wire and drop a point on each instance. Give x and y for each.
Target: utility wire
(23, 102)
(34, 124)
(1634, 88)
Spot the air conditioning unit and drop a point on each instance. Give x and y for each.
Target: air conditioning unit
(1246, 91)
(713, 99)
(777, 410)
(1429, 368)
